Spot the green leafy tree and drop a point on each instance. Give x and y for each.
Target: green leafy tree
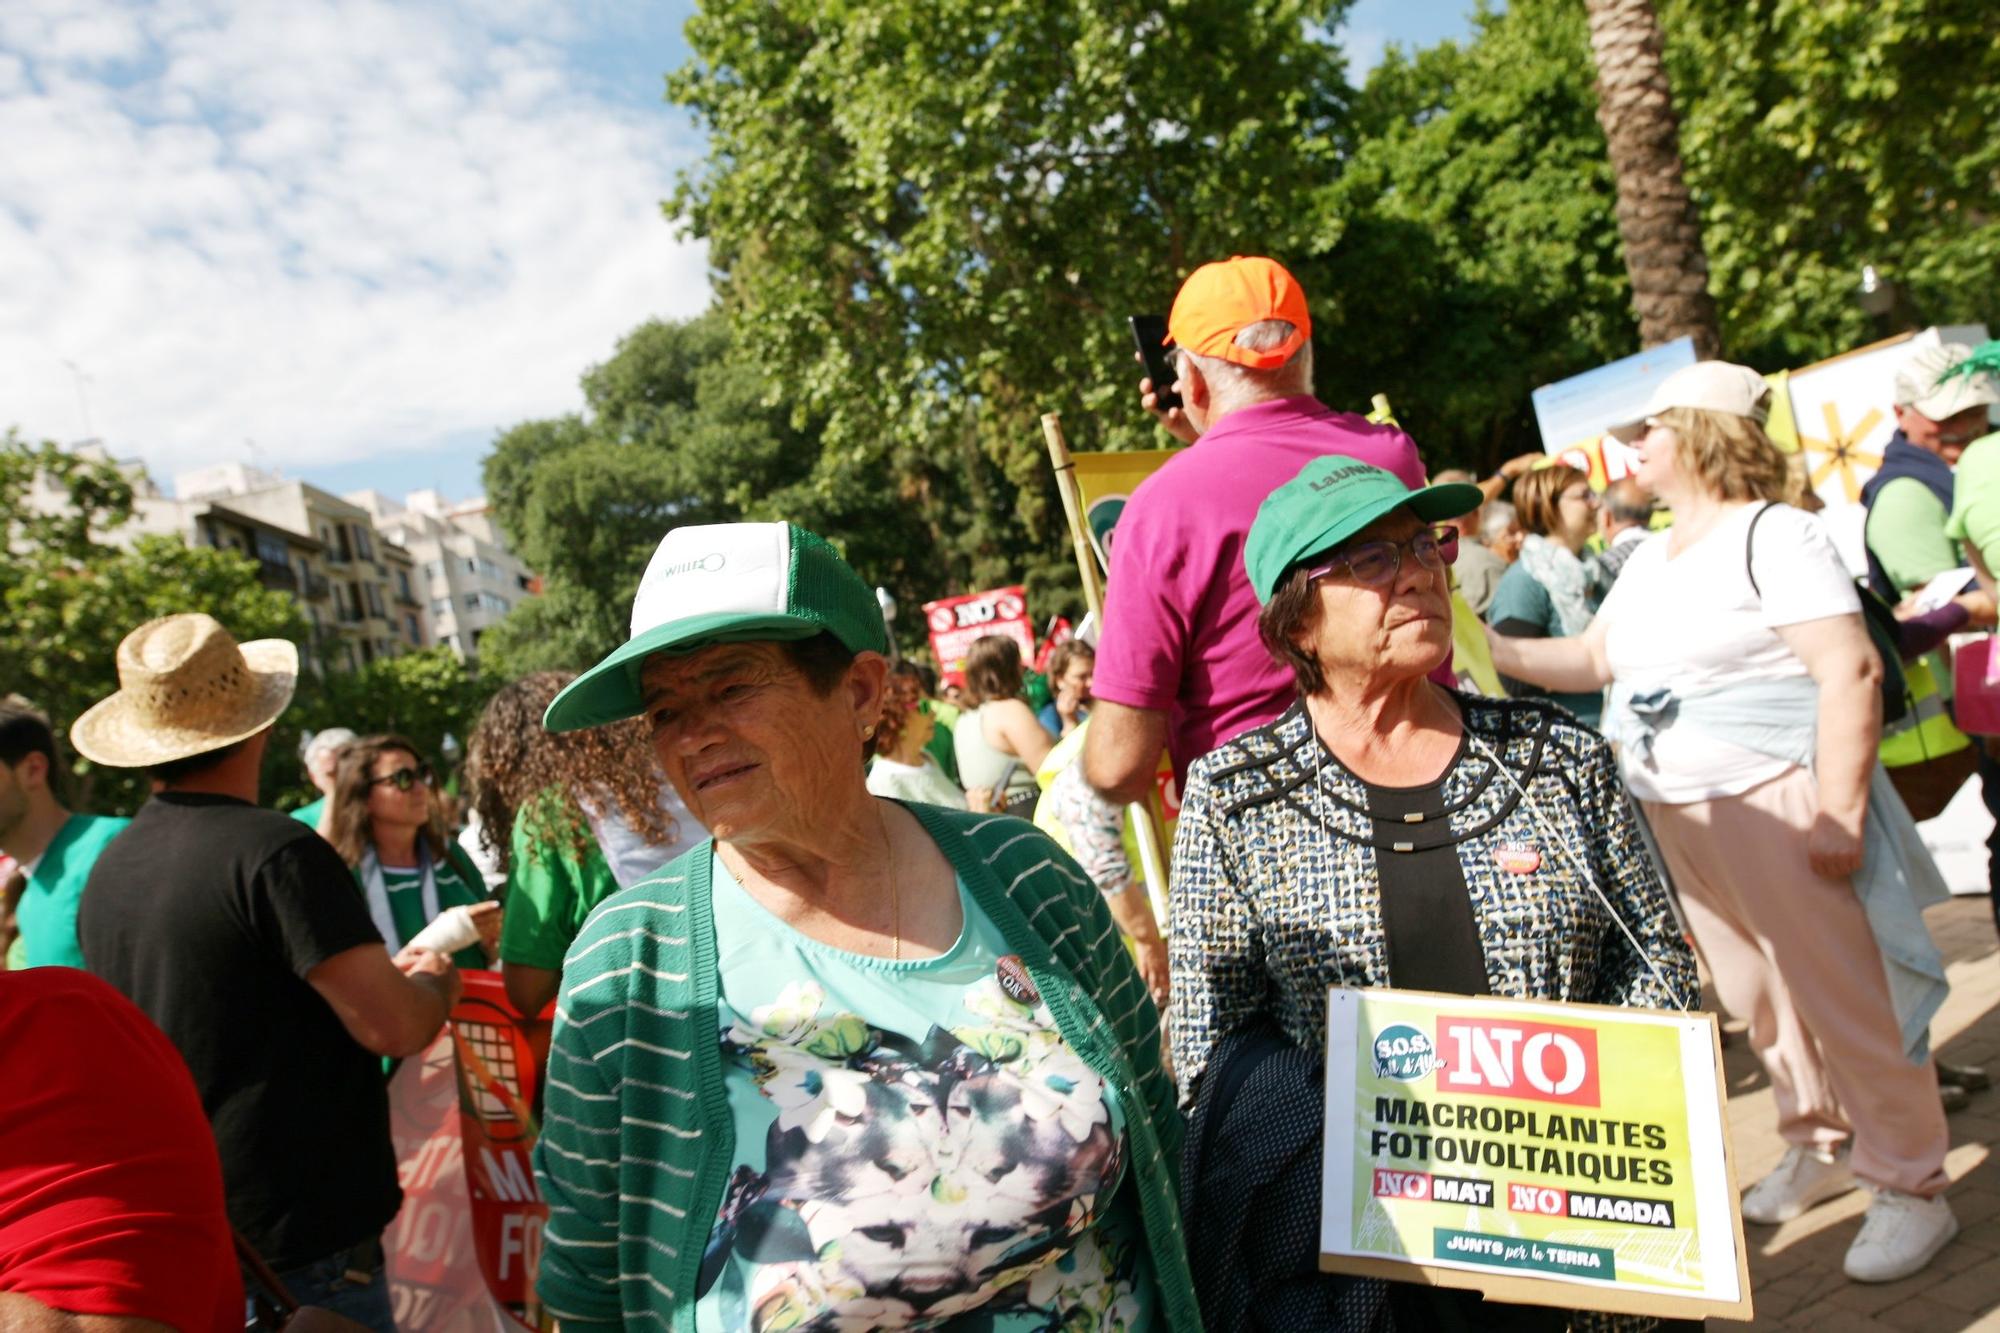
(1478, 253)
(1823, 136)
(99, 497)
(679, 430)
(933, 219)
(64, 620)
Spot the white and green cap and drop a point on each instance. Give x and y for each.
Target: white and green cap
(725, 583)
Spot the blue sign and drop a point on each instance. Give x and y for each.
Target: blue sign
(1579, 408)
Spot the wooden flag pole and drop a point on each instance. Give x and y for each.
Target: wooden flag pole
(1150, 826)
(1072, 501)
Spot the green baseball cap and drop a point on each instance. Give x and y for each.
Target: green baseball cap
(725, 583)
(1330, 500)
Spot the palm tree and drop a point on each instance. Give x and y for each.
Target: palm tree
(1656, 218)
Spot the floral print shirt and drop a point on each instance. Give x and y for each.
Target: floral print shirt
(915, 1143)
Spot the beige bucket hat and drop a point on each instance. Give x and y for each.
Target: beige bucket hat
(186, 687)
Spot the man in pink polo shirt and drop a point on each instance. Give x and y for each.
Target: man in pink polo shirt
(1179, 663)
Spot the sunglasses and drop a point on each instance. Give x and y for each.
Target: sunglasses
(405, 778)
(1377, 563)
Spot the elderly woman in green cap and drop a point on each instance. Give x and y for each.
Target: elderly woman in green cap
(850, 1063)
(1388, 831)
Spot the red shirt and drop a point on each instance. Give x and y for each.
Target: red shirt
(110, 1188)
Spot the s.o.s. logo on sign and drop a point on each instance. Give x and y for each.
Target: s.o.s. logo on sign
(1541, 1062)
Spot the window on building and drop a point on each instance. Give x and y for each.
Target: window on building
(434, 569)
(363, 544)
(489, 571)
(415, 631)
(374, 592)
(403, 584)
(440, 606)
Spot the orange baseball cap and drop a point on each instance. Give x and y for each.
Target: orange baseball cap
(1220, 300)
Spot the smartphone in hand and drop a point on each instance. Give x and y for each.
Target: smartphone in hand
(1150, 333)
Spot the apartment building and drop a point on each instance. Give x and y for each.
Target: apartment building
(464, 573)
(373, 607)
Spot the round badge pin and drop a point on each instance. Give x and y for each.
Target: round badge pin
(1518, 858)
(1014, 979)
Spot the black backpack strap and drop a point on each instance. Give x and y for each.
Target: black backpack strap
(1750, 546)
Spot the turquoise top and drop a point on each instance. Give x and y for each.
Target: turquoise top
(912, 1142)
(640, 1132)
(309, 813)
(46, 917)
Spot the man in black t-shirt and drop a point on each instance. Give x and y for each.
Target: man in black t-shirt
(239, 932)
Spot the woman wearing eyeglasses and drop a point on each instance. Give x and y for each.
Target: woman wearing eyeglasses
(1550, 591)
(1385, 831)
(385, 821)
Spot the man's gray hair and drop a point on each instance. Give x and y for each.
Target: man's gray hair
(1234, 381)
(1629, 502)
(1498, 517)
(330, 739)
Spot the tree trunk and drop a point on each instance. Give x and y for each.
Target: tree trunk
(1656, 219)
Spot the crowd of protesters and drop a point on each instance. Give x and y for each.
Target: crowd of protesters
(839, 1041)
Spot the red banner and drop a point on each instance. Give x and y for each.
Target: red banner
(956, 623)
(463, 1251)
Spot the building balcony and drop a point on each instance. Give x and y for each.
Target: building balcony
(272, 574)
(316, 587)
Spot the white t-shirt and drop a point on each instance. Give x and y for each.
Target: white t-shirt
(1693, 623)
(922, 781)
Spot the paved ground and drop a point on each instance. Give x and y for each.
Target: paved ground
(1795, 1269)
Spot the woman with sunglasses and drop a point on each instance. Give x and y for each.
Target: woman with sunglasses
(1385, 831)
(385, 820)
(1550, 591)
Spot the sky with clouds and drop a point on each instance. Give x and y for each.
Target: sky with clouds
(350, 239)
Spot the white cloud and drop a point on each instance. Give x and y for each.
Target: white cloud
(343, 228)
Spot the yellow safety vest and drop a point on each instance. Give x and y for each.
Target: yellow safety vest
(1926, 731)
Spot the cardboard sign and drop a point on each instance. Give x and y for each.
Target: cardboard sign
(1566, 1155)
(956, 623)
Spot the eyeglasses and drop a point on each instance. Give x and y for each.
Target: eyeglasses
(405, 778)
(1582, 495)
(1376, 563)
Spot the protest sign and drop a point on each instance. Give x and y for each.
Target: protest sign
(500, 1055)
(1106, 482)
(1566, 1155)
(956, 623)
(462, 1252)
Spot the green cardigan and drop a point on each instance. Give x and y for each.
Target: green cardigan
(634, 1156)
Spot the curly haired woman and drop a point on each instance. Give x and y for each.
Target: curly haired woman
(553, 809)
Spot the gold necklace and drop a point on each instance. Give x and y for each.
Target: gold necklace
(895, 896)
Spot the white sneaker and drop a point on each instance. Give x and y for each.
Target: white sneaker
(1899, 1235)
(1803, 1180)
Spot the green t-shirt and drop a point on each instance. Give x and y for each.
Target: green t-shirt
(309, 813)
(912, 1143)
(1522, 600)
(458, 885)
(46, 917)
(940, 746)
(1975, 500)
(1906, 531)
(550, 890)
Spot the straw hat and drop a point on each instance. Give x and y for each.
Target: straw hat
(185, 688)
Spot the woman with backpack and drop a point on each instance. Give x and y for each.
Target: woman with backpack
(1745, 695)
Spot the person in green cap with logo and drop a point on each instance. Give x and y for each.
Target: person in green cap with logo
(1389, 831)
(849, 1062)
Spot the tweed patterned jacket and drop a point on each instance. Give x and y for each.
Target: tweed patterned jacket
(1276, 894)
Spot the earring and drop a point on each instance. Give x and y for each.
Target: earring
(868, 732)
